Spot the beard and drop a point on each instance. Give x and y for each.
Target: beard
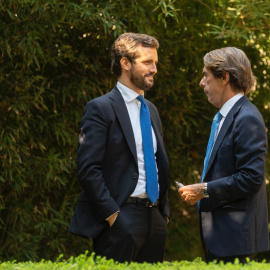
(140, 81)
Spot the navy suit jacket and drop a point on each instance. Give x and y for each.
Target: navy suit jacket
(107, 163)
(234, 217)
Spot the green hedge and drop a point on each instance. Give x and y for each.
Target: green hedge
(83, 262)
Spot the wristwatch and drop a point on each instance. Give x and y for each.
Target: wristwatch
(204, 191)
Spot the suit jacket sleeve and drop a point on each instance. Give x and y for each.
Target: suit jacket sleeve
(242, 157)
(91, 151)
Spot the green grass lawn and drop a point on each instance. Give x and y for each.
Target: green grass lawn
(85, 262)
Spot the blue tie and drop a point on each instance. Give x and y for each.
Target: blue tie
(148, 151)
(211, 141)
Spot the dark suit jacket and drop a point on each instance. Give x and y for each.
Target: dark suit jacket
(107, 163)
(234, 218)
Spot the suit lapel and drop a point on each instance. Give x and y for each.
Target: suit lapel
(121, 112)
(227, 123)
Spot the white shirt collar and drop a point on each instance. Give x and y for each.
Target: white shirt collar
(229, 104)
(127, 94)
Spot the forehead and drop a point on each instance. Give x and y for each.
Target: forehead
(206, 71)
(147, 52)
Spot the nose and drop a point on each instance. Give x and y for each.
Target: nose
(153, 68)
(202, 84)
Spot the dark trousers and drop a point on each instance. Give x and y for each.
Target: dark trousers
(138, 234)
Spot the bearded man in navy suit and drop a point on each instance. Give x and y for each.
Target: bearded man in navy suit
(113, 208)
(232, 199)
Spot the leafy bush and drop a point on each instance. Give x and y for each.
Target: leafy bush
(84, 263)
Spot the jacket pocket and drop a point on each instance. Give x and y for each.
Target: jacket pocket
(237, 205)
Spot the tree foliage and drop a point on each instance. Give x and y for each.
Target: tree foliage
(55, 56)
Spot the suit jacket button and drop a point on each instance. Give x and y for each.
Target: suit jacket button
(134, 175)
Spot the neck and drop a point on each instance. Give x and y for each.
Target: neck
(228, 94)
(126, 82)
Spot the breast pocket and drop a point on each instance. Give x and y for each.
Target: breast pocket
(225, 150)
(226, 156)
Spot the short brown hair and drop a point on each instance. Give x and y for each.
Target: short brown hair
(125, 46)
(235, 62)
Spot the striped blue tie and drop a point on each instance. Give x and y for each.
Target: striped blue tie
(210, 145)
(211, 141)
(148, 151)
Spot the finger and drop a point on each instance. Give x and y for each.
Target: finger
(184, 198)
(185, 193)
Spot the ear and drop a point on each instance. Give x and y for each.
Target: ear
(125, 63)
(225, 77)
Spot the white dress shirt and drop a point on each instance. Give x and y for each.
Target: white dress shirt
(224, 111)
(133, 107)
(227, 107)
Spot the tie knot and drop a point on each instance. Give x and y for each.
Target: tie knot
(217, 117)
(141, 99)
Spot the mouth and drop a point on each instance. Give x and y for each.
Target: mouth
(150, 74)
(150, 77)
